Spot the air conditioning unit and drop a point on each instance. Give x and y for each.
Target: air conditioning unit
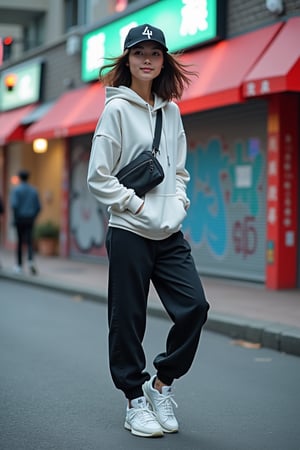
(275, 6)
(73, 44)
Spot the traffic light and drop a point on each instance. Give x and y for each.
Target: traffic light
(7, 43)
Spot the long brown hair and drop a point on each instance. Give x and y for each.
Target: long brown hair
(169, 84)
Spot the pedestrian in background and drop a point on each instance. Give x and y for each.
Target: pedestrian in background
(25, 204)
(144, 241)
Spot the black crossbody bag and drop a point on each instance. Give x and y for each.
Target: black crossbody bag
(144, 172)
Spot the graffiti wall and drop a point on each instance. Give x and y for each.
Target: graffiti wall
(227, 218)
(227, 163)
(88, 219)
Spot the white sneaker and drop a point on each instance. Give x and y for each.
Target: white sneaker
(17, 270)
(162, 405)
(140, 420)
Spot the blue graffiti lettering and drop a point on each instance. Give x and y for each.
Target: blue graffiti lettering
(206, 220)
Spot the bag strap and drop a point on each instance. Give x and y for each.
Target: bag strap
(157, 132)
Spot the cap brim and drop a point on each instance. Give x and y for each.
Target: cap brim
(146, 40)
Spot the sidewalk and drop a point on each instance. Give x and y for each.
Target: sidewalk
(244, 311)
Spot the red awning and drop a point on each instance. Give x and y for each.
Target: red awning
(223, 68)
(75, 112)
(11, 128)
(278, 70)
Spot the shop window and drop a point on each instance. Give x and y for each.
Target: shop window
(77, 12)
(34, 33)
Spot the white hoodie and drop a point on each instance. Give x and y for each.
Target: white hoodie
(125, 128)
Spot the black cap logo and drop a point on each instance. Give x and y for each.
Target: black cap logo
(147, 32)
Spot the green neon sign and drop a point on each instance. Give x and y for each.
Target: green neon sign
(186, 24)
(27, 87)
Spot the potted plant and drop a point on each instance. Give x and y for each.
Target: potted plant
(47, 234)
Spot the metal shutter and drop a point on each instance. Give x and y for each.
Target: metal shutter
(227, 218)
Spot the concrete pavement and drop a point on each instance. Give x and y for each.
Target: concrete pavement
(247, 312)
(57, 394)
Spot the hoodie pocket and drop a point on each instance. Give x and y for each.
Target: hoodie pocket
(162, 213)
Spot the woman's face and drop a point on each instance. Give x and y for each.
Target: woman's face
(145, 61)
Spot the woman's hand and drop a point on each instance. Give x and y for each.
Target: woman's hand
(140, 208)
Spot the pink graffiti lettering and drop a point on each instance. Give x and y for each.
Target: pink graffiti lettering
(244, 236)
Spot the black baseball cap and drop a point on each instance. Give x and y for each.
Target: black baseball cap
(143, 33)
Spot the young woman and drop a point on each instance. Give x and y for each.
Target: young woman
(144, 241)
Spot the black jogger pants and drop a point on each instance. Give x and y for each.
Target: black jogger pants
(133, 262)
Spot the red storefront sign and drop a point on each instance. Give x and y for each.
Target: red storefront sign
(282, 196)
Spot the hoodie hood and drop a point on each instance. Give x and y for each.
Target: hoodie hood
(125, 93)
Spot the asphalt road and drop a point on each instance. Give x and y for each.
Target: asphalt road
(56, 392)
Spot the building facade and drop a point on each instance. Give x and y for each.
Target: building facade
(241, 117)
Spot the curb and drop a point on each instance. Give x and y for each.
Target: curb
(276, 336)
